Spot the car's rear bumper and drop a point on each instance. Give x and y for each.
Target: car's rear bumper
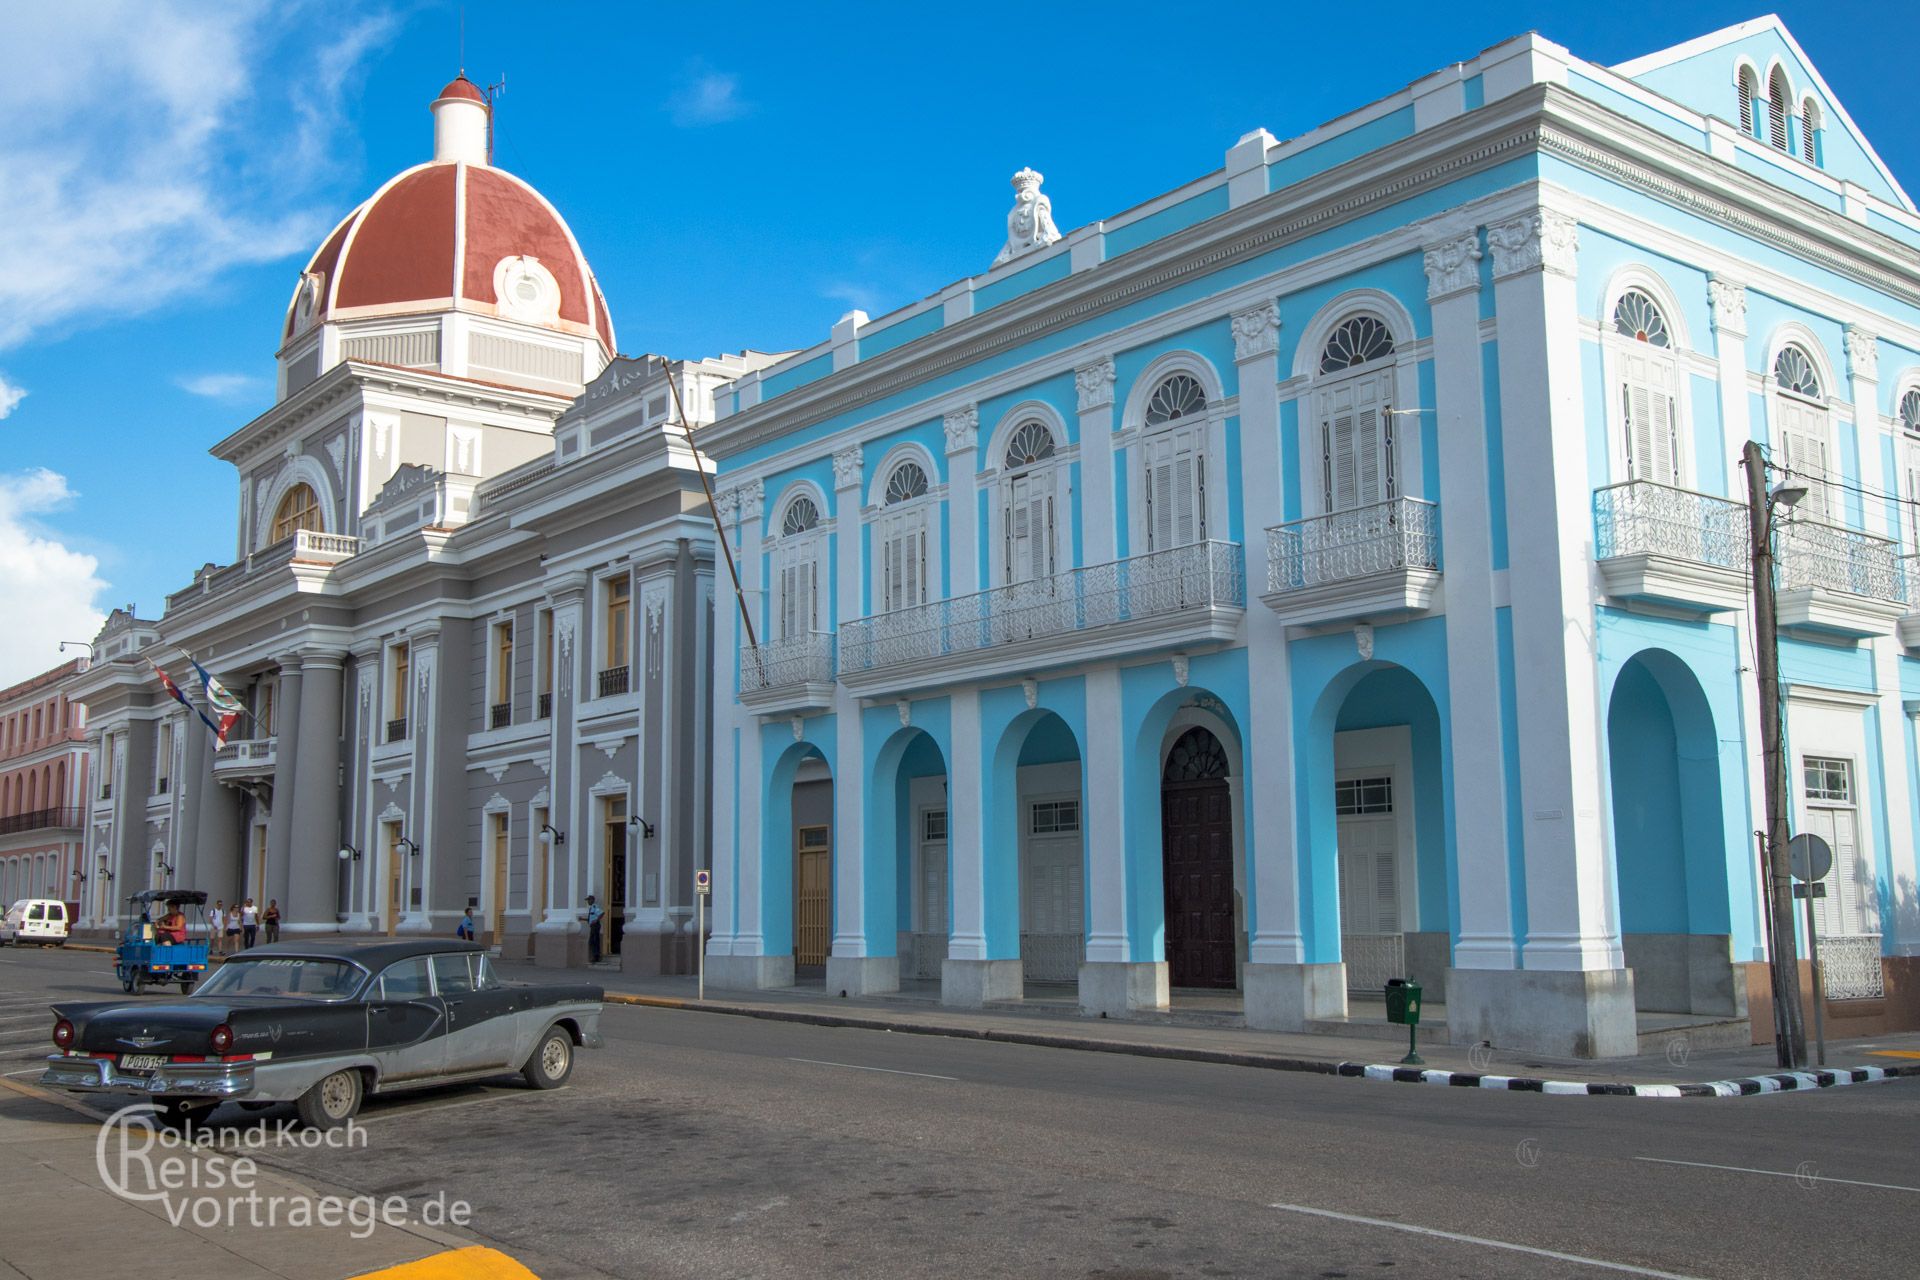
(175, 1080)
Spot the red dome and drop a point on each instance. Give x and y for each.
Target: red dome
(396, 254)
(461, 87)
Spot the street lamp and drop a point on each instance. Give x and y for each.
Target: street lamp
(549, 834)
(646, 828)
(1789, 1030)
(349, 854)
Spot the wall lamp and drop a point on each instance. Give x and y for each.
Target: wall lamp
(408, 845)
(106, 875)
(161, 861)
(549, 834)
(80, 876)
(349, 854)
(646, 828)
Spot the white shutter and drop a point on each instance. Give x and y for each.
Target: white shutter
(1176, 488)
(1803, 437)
(1912, 494)
(933, 887)
(903, 560)
(1646, 392)
(1357, 442)
(1028, 515)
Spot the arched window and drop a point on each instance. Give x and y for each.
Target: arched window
(1646, 376)
(1196, 757)
(1029, 505)
(1910, 411)
(796, 570)
(1779, 99)
(299, 509)
(1174, 454)
(1810, 131)
(1803, 430)
(1749, 90)
(901, 532)
(1354, 402)
(1910, 425)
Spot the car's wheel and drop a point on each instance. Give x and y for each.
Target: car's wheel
(552, 1060)
(186, 986)
(126, 981)
(332, 1102)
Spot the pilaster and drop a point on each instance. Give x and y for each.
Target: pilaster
(1093, 388)
(286, 782)
(963, 465)
(312, 877)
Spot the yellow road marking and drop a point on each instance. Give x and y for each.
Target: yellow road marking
(475, 1263)
(656, 1002)
(1895, 1053)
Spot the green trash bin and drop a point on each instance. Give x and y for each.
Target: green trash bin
(1403, 1008)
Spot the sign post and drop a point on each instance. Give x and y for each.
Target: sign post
(702, 889)
(1810, 858)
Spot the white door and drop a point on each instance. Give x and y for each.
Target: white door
(1051, 897)
(1851, 907)
(1369, 850)
(903, 560)
(1646, 388)
(1028, 519)
(798, 608)
(1176, 488)
(1803, 438)
(1356, 443)
(930, 917)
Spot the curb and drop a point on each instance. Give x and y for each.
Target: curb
(1735, 1088)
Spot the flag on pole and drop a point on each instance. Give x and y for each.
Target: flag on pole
(218, 728)
(219, 697)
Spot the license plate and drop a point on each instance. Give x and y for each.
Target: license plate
(141, 1061)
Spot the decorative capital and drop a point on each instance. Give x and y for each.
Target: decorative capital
(726, 505)
(1094, 383)
(753, 500)
(963, 428)
(1863, 353)
(1729, 305)
(846, 468)
(1453, 266)
(1539, 241)
(1256, 331)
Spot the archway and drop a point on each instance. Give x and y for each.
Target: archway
(1196, 816)
(1040, 839)
(797, 864)
(908, 817)
(1669, 838)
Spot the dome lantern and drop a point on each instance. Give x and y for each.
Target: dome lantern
(461, 117)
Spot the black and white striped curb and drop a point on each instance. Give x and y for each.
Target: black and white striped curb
(1786, 1082)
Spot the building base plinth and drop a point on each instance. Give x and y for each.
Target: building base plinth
(1286, 997)
(1559, 1013)
(1117, 989)
(749, 973)
(862, 975)
(968, 984)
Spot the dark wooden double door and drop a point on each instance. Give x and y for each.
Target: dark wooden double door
(1197, 845)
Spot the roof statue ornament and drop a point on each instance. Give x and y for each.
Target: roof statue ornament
(1030, 223)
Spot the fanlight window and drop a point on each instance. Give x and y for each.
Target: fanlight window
(1031, 443)
(1196, 757)
(1794, 372)
(1635, 316)
(801, 516)
(1179, 396)
(908, 481)
(1358, 341)
(299, 509)
(1910, 410)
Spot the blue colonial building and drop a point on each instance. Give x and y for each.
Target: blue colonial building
(1334, 568)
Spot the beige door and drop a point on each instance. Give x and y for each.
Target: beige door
(395, 880)
(813, 896)
(497, 898)
(537, 868)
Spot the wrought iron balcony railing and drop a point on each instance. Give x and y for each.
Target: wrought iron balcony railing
(613, 681)
(1829, 558)
(1160, 584)
(397, 729)
(1400, 533)
(1640, 517)
(500, 715)
(779, 664)
(545, 708)
(40, 820)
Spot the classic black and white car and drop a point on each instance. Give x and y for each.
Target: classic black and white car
(322, 1025)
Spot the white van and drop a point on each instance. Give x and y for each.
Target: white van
(35, 920)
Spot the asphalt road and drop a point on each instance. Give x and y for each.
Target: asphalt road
(704, 1145)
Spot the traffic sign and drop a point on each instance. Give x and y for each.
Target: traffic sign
(703, 882)
(1809, 857)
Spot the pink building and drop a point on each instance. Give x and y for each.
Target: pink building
(43, 789)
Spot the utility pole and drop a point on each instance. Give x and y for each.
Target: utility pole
(1789, 1034)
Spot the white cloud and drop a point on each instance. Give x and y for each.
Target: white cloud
(217, 386)
(10, 396)
(153, 144)
(706, 96)
(50, 588)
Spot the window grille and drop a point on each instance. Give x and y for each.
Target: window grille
(1636, 316)
(1359, 341)
(1055, 817)
(1177, 396)
(1827, 779)
(801, 516)
(1910, 410)
(1793, 370)
(908, 481)
(1031, 443)
(1359, 797)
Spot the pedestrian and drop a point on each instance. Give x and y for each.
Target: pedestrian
(593, 917)
(465, 929)
(217, 924)
(249, 924)
(233, 929)
(272, 919)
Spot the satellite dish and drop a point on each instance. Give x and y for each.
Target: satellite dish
(1809, 857)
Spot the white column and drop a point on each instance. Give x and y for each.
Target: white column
(1575, 998)
(727, 720)
(1473, 676)
(1093, 384)
(747, 939)
(968, 881)
(963, 435)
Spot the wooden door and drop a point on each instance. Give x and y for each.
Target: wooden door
(497, 899)
(813, 896)
(1197, 841)
(616, 873)
(394, 878)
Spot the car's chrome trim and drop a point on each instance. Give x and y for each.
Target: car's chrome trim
(98, 1075)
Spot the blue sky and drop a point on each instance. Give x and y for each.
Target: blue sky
(737, 177)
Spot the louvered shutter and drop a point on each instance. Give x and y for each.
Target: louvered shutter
(1176, 489)
(933, 887)
(1803, 436)
(1912, 494)
(1386, 888)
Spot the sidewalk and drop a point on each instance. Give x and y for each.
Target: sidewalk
(63, 1220)
(1207, 1037)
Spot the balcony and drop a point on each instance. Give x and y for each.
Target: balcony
(788, 676)
(1838, 581)
(613, 682)
(307, 547)
(41, 820)
(1186, 596)
(246, 760)
(1671, 547)
(545, 706)
(397, 729)
(500, 715)
(323, 548)
(1351, 566)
